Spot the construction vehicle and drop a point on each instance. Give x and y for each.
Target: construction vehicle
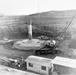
(52, 46)
(48, 49)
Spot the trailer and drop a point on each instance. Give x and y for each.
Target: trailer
(63, 65)
(39, 65)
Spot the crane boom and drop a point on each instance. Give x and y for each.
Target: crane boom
(67, 26)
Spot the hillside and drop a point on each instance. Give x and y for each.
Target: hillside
(51, 23)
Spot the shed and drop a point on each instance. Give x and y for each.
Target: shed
(64, 65)
(39, 64)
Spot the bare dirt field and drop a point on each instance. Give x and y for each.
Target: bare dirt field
(7, 51)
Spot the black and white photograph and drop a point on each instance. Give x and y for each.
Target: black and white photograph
(37, 37)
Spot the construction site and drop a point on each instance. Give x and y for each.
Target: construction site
(46, 27)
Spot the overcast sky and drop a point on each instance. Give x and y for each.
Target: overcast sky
(26, 7)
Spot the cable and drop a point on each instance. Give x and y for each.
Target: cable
(67, 26)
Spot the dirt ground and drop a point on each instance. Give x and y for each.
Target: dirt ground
(67, 47)
(7, 51)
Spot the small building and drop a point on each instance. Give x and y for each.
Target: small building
(39, 64)
(64, 65)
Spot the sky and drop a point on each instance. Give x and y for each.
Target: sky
(26, 7)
